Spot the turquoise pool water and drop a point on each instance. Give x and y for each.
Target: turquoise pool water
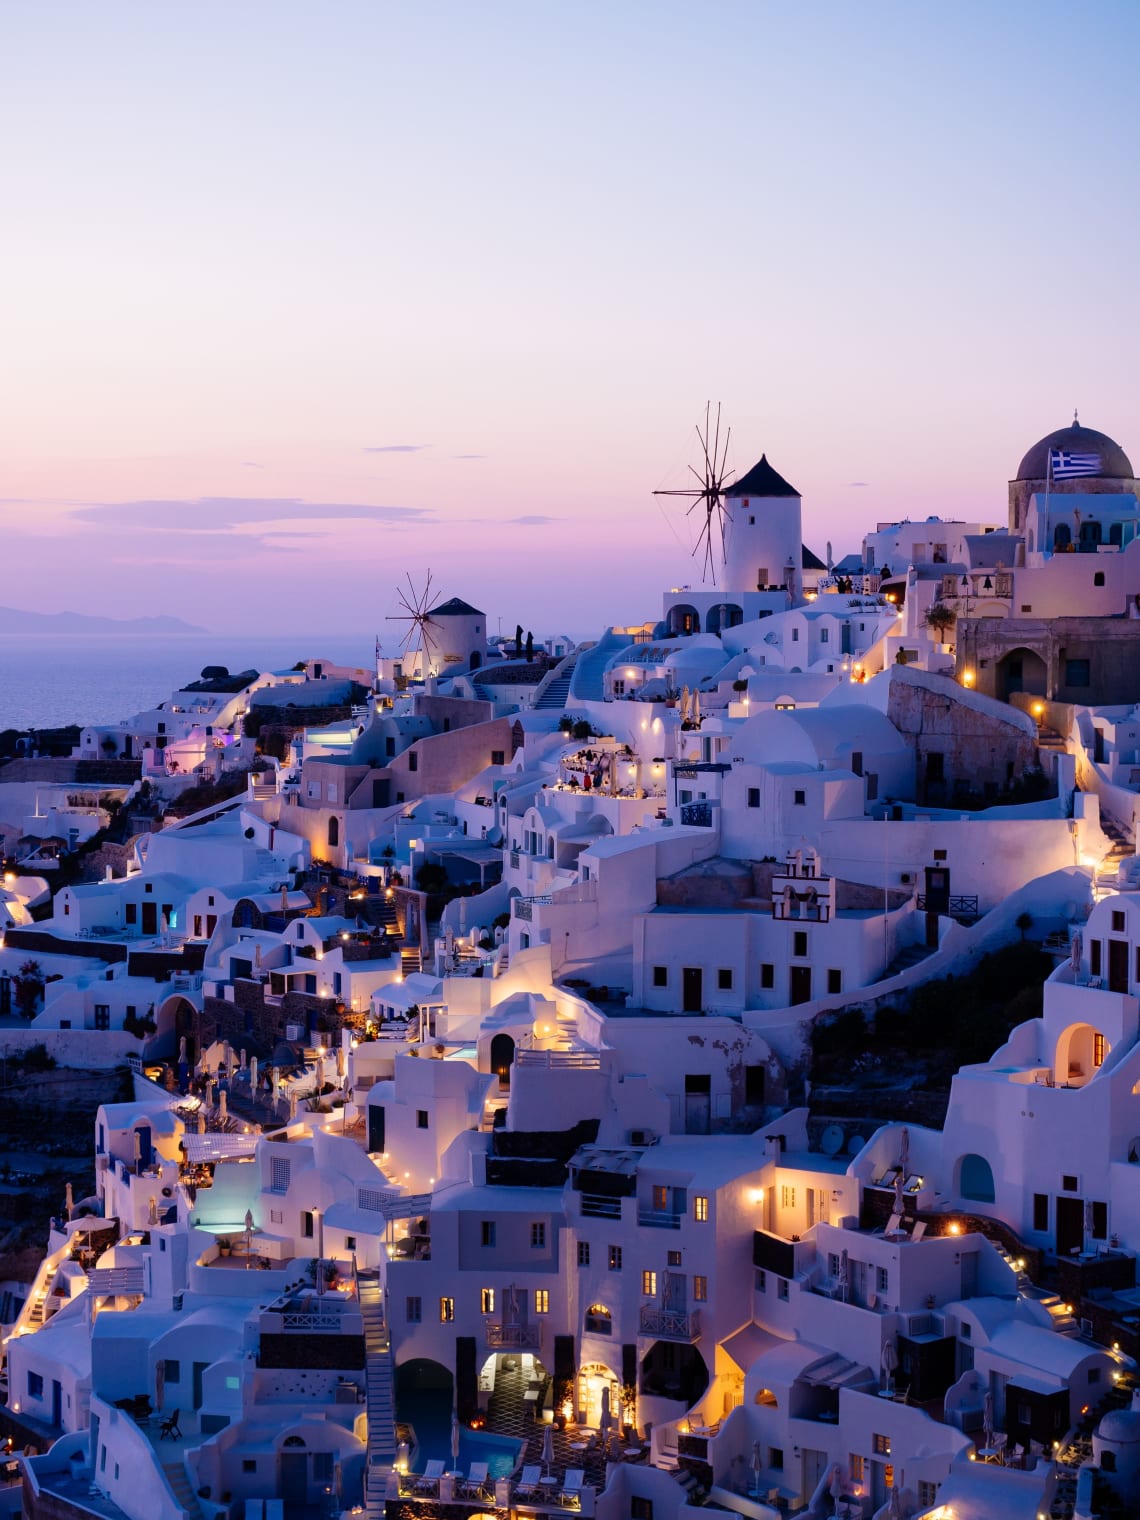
(429, 1413)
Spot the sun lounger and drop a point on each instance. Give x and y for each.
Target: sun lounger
(528, 1478)
(919, 1230)
(428, 1482)
(571, 1495)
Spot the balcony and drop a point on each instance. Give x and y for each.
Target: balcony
(502, 1337)
(659, 1219)
(596, 1207)
(670, 1324)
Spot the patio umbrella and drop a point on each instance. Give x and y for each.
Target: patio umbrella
(894, 1505)
(292, 1105)
(988, 1420)
(69, 1200)
(341, 1062)
(904, 1151)
(222, 1110)
(696, 707)
(547, 1450)
(1090, 1218)
(284, 899)
(684, 704)
(152, 1210)
(757, 1466)
(257, 957)
(182, 1051)
(159, 1382)
(243, 1051)
(253, 1076)
(898, 1192)
(512, 1314)
(605, 1420)
(455, 1438)
(844, 1275)
(462, 916)
(835, 1488)
(201, 1121)
(1075, 950)
(248, 1234)
(889, 1360)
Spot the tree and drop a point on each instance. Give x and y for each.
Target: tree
(940, 618)
(1023, 923)
(109, 746)
(529, 647)
(29, 982)
(581, 729)
(518, 640)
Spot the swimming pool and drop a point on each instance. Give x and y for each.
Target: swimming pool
(428, 1411)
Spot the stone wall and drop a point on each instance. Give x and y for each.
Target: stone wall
(978, 749)
(1110, 645)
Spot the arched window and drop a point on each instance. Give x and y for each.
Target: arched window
(976, 1179)
(599, 1320)
(767, 1397)
(1062, 538)
(334, 833)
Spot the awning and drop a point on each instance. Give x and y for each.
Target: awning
(746, 1345)
(218, 1145)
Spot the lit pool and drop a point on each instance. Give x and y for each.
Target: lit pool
(428, 1411)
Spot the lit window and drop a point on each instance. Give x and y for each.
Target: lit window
(700, 1208)
(542, 1300)
(486, 1300)
(615, 1258)
(787, 1197)
(881, 1445)
(855, 1467)
(446, 1310)
(649, 1283)
(1098, 1050)
(700, 1289)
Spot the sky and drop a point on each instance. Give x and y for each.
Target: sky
(302, 299)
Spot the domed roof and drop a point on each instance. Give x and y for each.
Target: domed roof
(1114, 462)
(1120, 1425)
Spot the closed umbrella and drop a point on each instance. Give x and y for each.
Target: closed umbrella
(844, 1275)
(895, 1507)
(253, 1076)
(284, 899)
(757, 1467)
(1090, 1218)
(605, 1420)
(889, 1361)
(455, 1439)
(988, 1420)
(159, 1382)
(223, 1113)
(182, 1051)
(898, 1192)
(835, 1488)
(684, 704)
(1075, 949)
(904, 1151)
(696, 707)
(69, 1200)
(248, 1235)
(152, 1210)
(201, 1121)
(547, 1449)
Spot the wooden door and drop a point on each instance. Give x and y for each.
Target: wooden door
(692, 983)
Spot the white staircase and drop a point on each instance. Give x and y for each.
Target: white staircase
(381, 1401)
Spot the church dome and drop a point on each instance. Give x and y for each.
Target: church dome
(1114, 462)
(1120, 1426)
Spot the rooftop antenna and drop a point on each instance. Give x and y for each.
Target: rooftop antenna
(417, 615)
(707, 495)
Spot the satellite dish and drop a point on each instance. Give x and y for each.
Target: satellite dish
(855, 1145)
(831, 1141)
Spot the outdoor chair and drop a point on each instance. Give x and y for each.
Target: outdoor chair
(571, 1494)
(432, 1473)
(476, 1480)
(528, 1478)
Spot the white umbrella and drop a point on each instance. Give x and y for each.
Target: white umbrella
(696, 707)
(547, 1449)
(1090, 1218)
(988, 1420)
(1075, 950)
(455, 1438)
(605, 1420)
(243, 1052)
(757, 1466)
(201, 1121)
(182, 1051)
(248, 1234)
(898, 1192)
(253, 1076)
(684, 704)
(462, 916)
(844, 1275)
(69, 1200)
(836, 1486)
(159, 1382)
(223, 1113)
(904, 1151)
(889, 1360)
(284, 899)
(152, 1210)
(292, 1105)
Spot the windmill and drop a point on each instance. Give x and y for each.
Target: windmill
(707, 495)
(421, 630)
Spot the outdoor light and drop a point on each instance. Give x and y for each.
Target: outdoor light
(955, 1228)
(967, 677)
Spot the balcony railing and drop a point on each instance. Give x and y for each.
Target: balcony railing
(697, 814)
(595, 1206)
(959, 907)
(512, 1337)
(670, 1324)
(659, 1219)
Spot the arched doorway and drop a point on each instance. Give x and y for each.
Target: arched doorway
(683, 619)
(672, 1371)
(723, 615)
(502, 1057)
(594, 1380)
(976, 1179)
(176, 1020)
(1022, 670)
(425, 1396)
(1081, 1051)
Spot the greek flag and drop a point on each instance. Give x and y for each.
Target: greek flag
(1065, 465)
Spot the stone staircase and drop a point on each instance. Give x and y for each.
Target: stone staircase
(184, 1495)
(410, 959)
(381, 1400)
(1060, 1313)
(1122, 847)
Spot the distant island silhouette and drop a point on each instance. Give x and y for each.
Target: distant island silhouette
(14, 620)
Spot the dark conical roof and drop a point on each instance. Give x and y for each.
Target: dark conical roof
(1114, 462)
(455, 608)
(761, 480)
(812, 560)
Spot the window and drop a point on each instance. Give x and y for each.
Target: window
(928, 1491)
(249, 1464)
(661, 976)
(1098, 578)
(1070, 1184)
(615, 1258)
(1094, 1374)
(857, 761)
(542, 1300)
(660, 1197)
(486, 1300)
(882, 1278)
(881, 1445)
(583, 1253)
(673, 1258)
(754, 796)
(888, 1475)
(761, 1280)
(824, 635)
(782, 1288)
(421, 1118)
(724, 979)
(307, 1223)
(350, 1242)
(799, 942)
(1041, 1211)
(1077, 673)
(446, 1310)
(649, 1284)
(102, 1016)
(701, 1208)
(700, 1290)
(834, 980)
(1107, 1461)
(488, 1232)
(1098, 1049)
(787, 1196)
(35, 1386)
(799, 799)
(173, 1369)
(132, 913)
(1118, 923)
(498, 757)
(640, 1509)
(795, 635)
(413, 760)
(965, 1330)
(1094, 957)
(855, 1467)
(538, 1235)
(598, 1321)
(776, 1458)
(1100, 1221)
(767, 975)
(413, 1311)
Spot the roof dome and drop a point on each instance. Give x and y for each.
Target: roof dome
(1114, 462)
(1120, 1425)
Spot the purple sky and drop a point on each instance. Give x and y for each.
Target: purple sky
(300, 298)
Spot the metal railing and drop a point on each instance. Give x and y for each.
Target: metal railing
(596, 1207)
(507, 1337)
(660, 1219)
(958, 907)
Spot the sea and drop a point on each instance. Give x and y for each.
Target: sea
(48, 680)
